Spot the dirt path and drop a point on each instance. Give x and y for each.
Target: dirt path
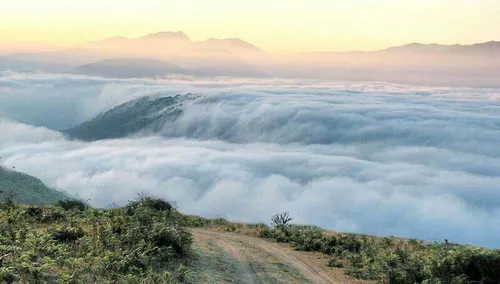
(256, 260)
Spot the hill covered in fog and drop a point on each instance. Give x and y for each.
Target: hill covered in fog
(129, 68)
(143, 114)
(26, 189)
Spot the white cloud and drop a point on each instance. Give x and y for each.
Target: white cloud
(15, 133)
(371, 158)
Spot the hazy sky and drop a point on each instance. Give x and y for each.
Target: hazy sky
(281, 26)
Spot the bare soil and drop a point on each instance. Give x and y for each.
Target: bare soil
(250, 259)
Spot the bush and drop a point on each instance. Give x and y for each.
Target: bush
(177, 239)
(50, 216)
(94, 246)
(148, 202)
(195, 221)
(156, 204)
(71, 205)
(34, 212)
(67, 235)
(334, 262)
(476, 264)
(7, 275)
(396, 262)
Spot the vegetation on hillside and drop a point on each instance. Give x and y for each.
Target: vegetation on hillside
(391, 260)
(129, 118)
(386, 260)
(147, 241)
(23, 188)
(70, 242)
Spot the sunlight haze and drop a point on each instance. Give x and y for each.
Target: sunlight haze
(231, 141)
(277, 26)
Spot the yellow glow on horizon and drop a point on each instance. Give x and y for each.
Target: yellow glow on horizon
(279, 26)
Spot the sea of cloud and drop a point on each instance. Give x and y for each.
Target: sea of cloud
(374, 158)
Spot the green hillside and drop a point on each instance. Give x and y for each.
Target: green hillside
(149, 241)
(129, 118)
(26, 189)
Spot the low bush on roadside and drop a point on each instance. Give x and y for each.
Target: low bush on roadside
(394, 261)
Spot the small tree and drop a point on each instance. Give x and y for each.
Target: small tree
(281, 220)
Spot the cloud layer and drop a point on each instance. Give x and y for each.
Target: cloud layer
(371, 158)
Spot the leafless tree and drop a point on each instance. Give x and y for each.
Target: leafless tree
(281, 219)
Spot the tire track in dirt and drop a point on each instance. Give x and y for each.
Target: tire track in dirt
(254, 254)
(307, 270)
(248, 272)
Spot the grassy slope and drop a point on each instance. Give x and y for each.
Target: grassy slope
(128, 118)
(148, 242)
(387, 260)
(143, 242)
(27, 189)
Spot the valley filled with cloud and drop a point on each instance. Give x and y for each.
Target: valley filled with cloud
(374, 158)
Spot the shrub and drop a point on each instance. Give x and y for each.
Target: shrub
(71, 204)
(67, 235)
(177, 239)
(219, 222)
(396, 262)
(50, 216)
(306, 238)
(34, 212)
(334, 262)
(156, 204)
(194, 221)
(350, 243)
(148, 202)
(95, 246)
(7, 275)
(476, 264)
(182, 273)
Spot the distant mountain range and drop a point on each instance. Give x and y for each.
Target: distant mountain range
(129, 68)
(166, 53)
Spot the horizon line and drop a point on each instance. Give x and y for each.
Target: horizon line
(57, 47)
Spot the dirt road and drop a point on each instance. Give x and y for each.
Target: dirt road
(233, 258)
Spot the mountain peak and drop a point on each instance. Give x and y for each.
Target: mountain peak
(232, 43)
(168, 35)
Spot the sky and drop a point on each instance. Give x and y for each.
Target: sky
(279, 26)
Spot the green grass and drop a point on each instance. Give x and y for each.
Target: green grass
(128, 118)
(27, 189)
(147, 241)
(143, 242)
(385, 260)
(211, 264)
(395, 261)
